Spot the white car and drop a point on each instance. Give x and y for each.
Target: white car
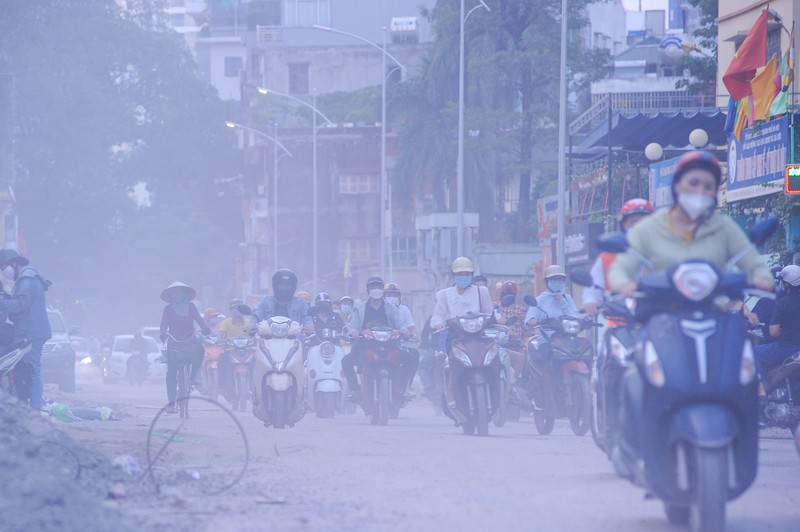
(115, 366)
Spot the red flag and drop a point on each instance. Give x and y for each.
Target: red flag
(752, 54)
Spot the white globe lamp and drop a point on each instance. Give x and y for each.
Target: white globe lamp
(698, 138)
(653, 151)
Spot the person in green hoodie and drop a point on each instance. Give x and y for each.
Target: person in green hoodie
(690, 228)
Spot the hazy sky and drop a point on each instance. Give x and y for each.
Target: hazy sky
(633, 5)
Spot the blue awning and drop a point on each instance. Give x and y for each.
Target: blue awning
(634, 131)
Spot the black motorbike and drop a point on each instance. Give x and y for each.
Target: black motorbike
(782, 386)
(690, 408)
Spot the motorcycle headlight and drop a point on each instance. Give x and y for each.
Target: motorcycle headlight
(571, 325)
(240, 342)
(280, 329)
(617, 349)
(652, 366)
(490, 355)
(86, 360)
(695, 281)
(471, 325)
(381, 336)
(747, 370)
(461, 356)
(327, 349)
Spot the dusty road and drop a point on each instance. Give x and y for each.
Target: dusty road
(419, 473)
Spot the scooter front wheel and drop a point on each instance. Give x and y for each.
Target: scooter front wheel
(278, 408)
(711, 489)
(325, 404)
(544, 422)
(580, 415)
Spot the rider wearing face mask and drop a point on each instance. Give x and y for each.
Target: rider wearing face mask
(462, 298)
(373, 312)
(554, 302)
(345, 308)
(689, 229)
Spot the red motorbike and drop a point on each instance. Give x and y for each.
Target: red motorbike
(241, 352)
(381, 375)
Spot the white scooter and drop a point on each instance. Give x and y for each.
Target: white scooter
(279, 376)
(325, 381)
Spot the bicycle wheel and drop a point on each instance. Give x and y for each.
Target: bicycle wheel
(183, 391)
(204, 456)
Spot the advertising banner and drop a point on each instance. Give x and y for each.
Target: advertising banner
(546, 218)
(580, 242)
(757, 162)
(661, 182)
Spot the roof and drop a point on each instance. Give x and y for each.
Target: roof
(637, 130)
(647, 53)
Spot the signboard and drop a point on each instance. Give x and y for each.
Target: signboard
(546, 218)
(792, 183)
(580, 242)
(757, 162)
(661, 182)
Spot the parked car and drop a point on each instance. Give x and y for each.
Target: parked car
(83, 354)
(58, 355)
(115, 365)
(152, 332)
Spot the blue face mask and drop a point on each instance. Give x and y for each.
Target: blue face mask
(556, 286)
(463, 281)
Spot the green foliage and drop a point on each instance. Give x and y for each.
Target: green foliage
(106, 100)
(702, 68)
(511, 95)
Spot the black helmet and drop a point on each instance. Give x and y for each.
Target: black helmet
(235, 303)
(284, 284)
(375, 279)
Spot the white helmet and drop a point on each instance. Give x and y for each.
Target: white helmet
(462, 264)
(554, 271)
(791, 275)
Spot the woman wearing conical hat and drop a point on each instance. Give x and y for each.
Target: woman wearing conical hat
(178, 330)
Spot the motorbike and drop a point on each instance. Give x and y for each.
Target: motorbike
(381, 375)
(782, 386)
(241, 353)
(689, 431)
(474, 363)
(278, 375)
(506, 410)
(324, 377)
(137, 367)
(209, 371)
(556, 380)
(13, 377)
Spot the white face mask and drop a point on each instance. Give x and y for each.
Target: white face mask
(9, 273)
(695, 205)
(346, 309)
(393, 300)
(376, 293)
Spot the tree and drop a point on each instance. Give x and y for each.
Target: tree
(107, 99)
(702, 68)
(512, 75)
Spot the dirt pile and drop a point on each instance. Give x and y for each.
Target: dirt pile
(50, 481)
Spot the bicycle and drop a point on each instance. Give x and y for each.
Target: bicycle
(184, 351)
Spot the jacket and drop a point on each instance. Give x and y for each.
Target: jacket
(452, 304)
(716, 239)
(357, 317)
(298, 310)
(27, 307)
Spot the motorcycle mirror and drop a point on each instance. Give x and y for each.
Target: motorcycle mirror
(614, 242)
(313, 311)
(764, 229)
(507, 300)
(582, 277)
(244, 310)
(529, 300)
(511, 321)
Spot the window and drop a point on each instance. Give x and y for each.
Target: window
(264, 13)
(256, 66)
(308, 12)
(298, 78)
(358, 250)
(774, 43)
(404, 248)
(232, 66)
(358, 184)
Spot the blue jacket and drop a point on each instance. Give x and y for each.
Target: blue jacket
(298, 310)
(27, 307)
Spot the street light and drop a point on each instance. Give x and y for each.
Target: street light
(274, 140)
(460, 155)
(562, 135)
(384, 185)
(315, 230)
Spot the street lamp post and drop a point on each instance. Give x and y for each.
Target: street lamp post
(460, 155)
(274, 139)
(562, 135)
(315, 229)
(384, 185)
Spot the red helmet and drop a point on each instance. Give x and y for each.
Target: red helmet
(509, 287)
(634, 206)
(210, 312)
(698, 159)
